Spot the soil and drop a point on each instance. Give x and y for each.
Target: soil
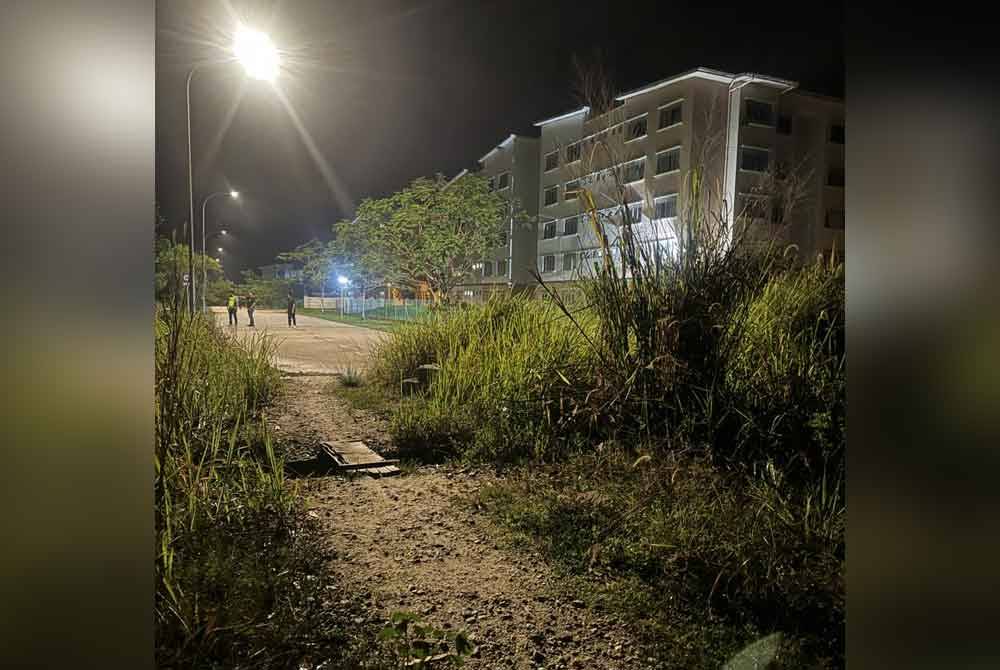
(414, 542)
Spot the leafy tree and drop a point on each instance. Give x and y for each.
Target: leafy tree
(318, 262)
(172, 264)
(270, 293)
(432, 231)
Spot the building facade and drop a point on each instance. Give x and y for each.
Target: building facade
(741, 130)
(511, 168)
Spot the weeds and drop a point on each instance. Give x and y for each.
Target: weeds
(240, 570)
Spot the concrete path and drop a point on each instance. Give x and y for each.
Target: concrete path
(316, 346)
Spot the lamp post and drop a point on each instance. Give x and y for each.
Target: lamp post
(342, 280)
(204, 261)
(256, 53)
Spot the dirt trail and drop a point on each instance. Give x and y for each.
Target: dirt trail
(412, 542)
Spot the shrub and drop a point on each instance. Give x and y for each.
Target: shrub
(501, 379)
(786, 367)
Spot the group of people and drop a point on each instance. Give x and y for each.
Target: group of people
(250, 302)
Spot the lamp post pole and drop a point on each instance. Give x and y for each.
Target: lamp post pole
(204, 249)
(191, 290)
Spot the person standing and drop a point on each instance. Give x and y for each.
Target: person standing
(233, 304)
(251, 305)
(291, 311)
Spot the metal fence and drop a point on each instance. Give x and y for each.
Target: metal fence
(402, 309)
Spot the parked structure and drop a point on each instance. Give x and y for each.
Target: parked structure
(741, 129)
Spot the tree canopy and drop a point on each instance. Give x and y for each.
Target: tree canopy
(432, 231)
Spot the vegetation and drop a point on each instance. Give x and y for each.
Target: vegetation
(241, 577)
(694, 397)
(374, 323)
(171, 256)
(432, 231)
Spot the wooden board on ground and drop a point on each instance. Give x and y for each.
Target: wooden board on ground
(357, 457)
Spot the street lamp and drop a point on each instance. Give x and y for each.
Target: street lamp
(204, 261)
(260, 60)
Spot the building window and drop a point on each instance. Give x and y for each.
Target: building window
(666, 207)
(837, 134)
(550, 230)
(570, 225)
(753, 159)
(760, 113)
(551, 161)
(503, 181)
(835, 177)
(501, 268)
(572, 190)
(487, 268)
(569, 262)
(784, 124)
(668, 161)
(671, 115)
(549, 263)
(551, 195)
(835, 219)
(635, 170)
(573, 152)
(636, 129)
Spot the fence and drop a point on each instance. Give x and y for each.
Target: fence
(402, 309)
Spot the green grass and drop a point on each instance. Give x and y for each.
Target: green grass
(353, 319)
(687, 553)
(241, 570)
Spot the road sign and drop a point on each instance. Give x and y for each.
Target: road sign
(187, 279)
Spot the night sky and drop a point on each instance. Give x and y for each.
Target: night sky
(387, 91)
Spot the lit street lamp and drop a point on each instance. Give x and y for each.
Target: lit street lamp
(260, 60)
(343, 281)
(204, 261)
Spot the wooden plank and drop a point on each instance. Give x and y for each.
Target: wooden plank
(368, 466)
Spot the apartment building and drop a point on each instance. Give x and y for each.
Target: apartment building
(512, 169)
(738, 128)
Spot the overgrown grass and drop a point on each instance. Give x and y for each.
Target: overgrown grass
(240, 571)
(703, 562)
(492, 381)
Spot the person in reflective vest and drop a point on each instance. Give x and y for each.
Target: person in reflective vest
(233, 305)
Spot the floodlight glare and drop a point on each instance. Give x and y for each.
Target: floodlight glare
(254, 50)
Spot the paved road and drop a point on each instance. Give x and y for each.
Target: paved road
(317, 346)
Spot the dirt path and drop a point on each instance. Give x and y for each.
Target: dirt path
(413, 543)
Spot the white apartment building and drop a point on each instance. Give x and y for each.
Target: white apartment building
(737, 127)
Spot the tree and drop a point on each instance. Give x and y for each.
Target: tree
(172, 264)
(432, 231)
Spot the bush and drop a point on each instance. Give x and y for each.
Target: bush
(500, 379)
(786, 367)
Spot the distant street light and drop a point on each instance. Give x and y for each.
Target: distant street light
(260, 60)
(342, 280)
(220, 250)
(204, 260)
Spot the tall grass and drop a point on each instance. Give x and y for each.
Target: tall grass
(240, 578)
(499, 380)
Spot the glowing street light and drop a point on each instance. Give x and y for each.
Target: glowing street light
(259, 58)
(220, 250)
(256, 53)
(342, 280)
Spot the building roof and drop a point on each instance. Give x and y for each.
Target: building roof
(710, 75)
(582, 110)
(507, 142)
